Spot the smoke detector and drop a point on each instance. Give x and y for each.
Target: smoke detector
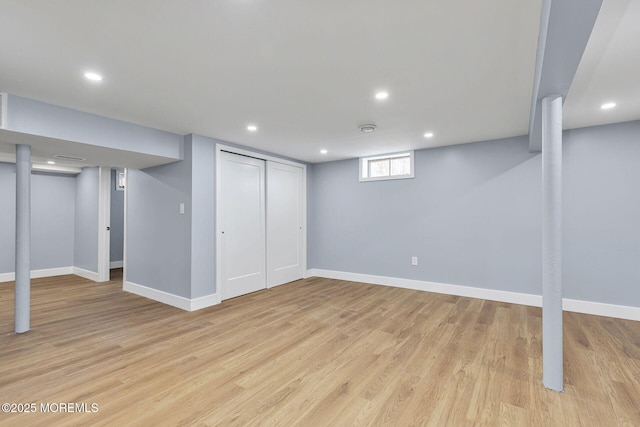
(367, 128)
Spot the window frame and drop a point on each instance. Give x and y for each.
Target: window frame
(363, 163)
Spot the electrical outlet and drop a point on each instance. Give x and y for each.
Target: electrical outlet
(414, 260)
(181, 208)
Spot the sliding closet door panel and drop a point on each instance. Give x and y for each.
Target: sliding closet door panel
(242, 221)
(284, 223)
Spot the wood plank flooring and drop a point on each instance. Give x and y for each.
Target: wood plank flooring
(316, 352)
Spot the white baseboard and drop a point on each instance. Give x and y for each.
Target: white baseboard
(601, 309)
(204, 302)
(578, 306)
(35, 274)
(91, 275)
(171, 299)
(116, 264)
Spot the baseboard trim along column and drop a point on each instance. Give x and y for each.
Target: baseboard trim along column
(36, 274)
(577, 306)
(171, 299)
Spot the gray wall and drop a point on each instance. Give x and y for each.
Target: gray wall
(203, 242)
(169, 251)
(116, 235)
(602, 214)
(158, 236)
(86, 220)
(39, 118)
(7, 217)
(472, 216)
(52, 219)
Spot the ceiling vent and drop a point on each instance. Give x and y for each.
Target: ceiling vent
(62, 156)
(3, 110)
(368, 128)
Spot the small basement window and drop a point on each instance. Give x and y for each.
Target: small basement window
(387, 166)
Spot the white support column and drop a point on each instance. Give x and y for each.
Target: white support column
(552, 354)
(23, 239)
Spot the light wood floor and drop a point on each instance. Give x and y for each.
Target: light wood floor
(313, 352)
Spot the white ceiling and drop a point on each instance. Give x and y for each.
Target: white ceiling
(609, 70)
(304, 72)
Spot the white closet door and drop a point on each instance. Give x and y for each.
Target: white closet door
(242, 224)
(284, 223)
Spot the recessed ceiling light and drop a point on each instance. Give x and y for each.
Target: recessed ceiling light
(382, 95)
(252, 128)
(323, 151)
(51, 162)
(608, 105)
(93, 76)
(428, 135)
(367, 128)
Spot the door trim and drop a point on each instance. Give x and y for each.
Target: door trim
(266, 157)
(104, 219)
(124, 226)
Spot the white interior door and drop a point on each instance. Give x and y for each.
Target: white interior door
(284, 223)
(242, 225)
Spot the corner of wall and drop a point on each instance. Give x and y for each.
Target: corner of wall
(171, 299)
